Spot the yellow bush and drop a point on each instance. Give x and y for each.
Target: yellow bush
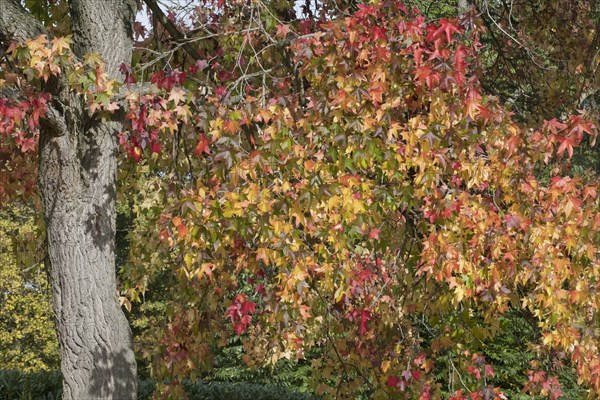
(27, 337)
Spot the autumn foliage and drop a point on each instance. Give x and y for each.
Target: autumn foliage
(373, 206)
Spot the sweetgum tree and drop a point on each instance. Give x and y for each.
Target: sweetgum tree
(338, 184)
(49, 129)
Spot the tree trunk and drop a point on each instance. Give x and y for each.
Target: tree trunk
(77, 181)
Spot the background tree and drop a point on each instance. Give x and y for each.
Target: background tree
(27, 335)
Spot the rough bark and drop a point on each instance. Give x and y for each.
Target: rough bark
(16, 23)
(77, 181)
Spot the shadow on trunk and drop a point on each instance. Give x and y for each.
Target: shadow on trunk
(110, 373)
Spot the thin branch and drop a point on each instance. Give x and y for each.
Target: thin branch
(458, 373)
(172, 29)
(530, 52)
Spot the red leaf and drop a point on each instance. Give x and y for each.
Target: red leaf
(203, 145)
(364, 10)
(239, 328)
(488, 371)
(554, 126)
(220, 91)
(198, 66)
(365, 316)
(136, 153)
(28, 144)
(379, 33)
(283, 30)
(392, 381)
(155, 148)
(566, 143)
(448, 28)
(471, 369)
(374, 234)
(248, 307)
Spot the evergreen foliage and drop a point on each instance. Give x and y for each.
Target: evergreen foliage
(47, 385)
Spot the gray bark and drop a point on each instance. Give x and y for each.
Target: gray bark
(77, 181)
(16, 23)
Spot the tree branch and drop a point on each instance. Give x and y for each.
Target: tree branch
(172, 29)
(16, 24)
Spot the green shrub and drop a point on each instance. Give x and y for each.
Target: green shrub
(229, 367)
(43, 385)
(241, 391)
(47, 385)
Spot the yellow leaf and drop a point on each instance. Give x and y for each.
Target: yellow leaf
(385, 365)
(177, 96)
(339, 293)
(59, 45)
(188, 260)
